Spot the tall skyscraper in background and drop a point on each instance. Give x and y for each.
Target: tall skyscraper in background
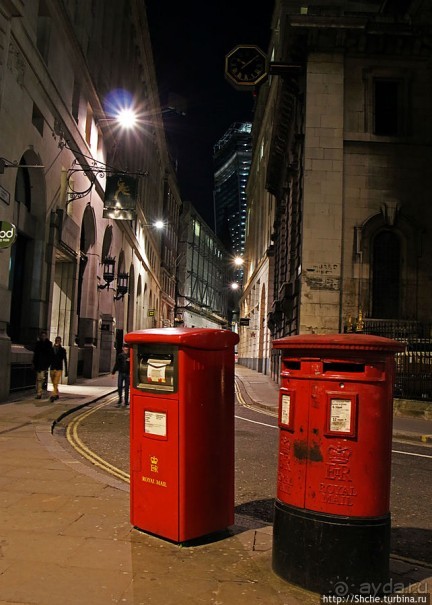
(232, 156)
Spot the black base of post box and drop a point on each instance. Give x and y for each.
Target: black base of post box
(329, 554)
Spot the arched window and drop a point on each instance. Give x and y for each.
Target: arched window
(87, 240)
(131, 300)
(386, 276)
(107, 240)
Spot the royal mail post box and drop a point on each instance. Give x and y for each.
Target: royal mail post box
(332, 519)
(182, 431)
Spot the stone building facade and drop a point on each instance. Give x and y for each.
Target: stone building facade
(64, 65)
(349, 97)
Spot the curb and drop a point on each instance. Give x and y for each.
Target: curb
(249, 401)
(77, 407)
(415, 437)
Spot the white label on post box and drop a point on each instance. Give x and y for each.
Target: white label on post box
(156, 370)
(340, 415)
(155, 423)
(285, 409)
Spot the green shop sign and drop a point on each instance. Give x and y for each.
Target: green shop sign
(8, 234)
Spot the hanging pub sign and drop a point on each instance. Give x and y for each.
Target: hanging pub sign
(120, 197)
(244, 321)
(8, 234)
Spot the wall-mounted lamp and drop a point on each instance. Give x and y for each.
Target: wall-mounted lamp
(109, 276)
(108, 272)
(122, 285)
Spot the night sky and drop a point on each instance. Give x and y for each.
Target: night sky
(190, 40)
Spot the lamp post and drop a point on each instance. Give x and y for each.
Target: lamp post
(237, 288)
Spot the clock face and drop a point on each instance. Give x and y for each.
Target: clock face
(246, 65)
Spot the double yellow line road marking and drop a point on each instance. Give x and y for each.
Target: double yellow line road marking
(82, 449)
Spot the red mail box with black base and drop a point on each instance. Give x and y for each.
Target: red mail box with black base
(332, 519)
(182, 431)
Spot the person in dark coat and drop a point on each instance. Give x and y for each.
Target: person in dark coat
(122, 366)
(42, 357)
(59, 360)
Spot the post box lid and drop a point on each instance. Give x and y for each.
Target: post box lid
(194, 338)
(353, 342)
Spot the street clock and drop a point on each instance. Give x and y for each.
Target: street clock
(245, 66)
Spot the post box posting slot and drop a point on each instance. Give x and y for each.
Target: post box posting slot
(156, 369)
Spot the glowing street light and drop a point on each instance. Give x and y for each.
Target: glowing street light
(238, 261)
(235, 285)
(127, 118)
(121, 107)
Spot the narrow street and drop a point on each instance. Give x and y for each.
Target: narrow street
(105, 431)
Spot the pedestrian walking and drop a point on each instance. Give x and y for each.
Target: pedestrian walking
(59, 359)
(122, 366)
(42, 357)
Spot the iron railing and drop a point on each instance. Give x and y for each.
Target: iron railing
(414, 365)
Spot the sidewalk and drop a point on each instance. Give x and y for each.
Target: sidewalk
(65, 535)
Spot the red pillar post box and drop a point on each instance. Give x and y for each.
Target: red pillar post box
(332, 519)
(182, 431)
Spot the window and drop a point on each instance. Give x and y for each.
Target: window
(387, 107)
(37, 119)
(76, 96)
(43, 30)
(388, 103)
(89, 124)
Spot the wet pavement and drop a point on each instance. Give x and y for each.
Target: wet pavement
(65, 535)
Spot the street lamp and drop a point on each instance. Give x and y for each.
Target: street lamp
(123, 118)
(108, 276)
(127, 118)
(238, 262)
